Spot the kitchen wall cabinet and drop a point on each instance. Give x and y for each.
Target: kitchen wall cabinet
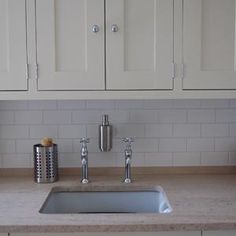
(139, 44)
(209, 47)
(70, 44)
(13, 54)
(219, 233)
(186, 233)
(126, 49)
(139, 52)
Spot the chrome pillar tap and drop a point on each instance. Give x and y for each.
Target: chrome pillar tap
(84, 160)
(128, 156)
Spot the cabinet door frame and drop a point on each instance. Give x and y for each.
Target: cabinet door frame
(14, 75)
(160, 75)
(195, 76)
(51, 75)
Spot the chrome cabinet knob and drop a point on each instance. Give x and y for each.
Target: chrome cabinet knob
(95, 28)
(114, 28)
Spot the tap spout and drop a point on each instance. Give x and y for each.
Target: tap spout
(128, 157)
(84, 160)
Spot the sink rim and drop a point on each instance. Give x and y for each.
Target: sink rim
(111, 188)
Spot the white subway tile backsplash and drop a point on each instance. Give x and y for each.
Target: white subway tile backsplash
(100, 104)
(1, 165)
(57, 117)
(225, 144)
(143, 116)
(232, 130)
(172, 116)
(71, 104)
(232, 158)
(68, 160)
(64, 145)
(172, 145)
(201, 116)
(215, 130)
(138, 159)
(118, 145)
(105, 159)
(188, 103)
(42, 105)
(40, 131)
(129, 104)
(116, 116)
(7, 117)
(129, 130)
(13, 105)
(16, 161)
(226, 115)
(157, 104)
(158, 159)
(215, 103)
(28, 117)
(158, 130)
(14, 131)
(200, 144)
(93, 116)
(186, 130)
(71, 131)
(7, 146)
(232, 103)
(26, 145)
(86, 117)
(187, 159)
(214, 158)
(92, 131)
(166, 132)
(144, 145)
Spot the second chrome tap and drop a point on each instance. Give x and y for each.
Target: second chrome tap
(84, 160)
(128, 156)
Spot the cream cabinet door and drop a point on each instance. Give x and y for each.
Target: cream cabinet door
(219, 233)
(13, 53)
(139, 44)
(70, 44)
(209, 46)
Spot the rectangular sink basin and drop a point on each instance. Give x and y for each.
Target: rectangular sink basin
(106, 200)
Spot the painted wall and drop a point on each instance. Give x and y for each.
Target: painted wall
(167, 132)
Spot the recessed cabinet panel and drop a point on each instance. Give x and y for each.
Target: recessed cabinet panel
(209, 44)
(70, 44)
(139, 43)
(13, 54)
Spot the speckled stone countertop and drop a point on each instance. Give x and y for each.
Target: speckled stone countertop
(199, 202)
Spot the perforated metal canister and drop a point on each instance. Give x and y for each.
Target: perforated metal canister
(45, 163)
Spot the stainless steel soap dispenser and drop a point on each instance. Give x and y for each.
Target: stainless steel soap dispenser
(105, 135)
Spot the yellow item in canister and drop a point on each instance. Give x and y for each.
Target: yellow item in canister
(47, 142)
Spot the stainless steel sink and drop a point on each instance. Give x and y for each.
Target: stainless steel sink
(106, 200)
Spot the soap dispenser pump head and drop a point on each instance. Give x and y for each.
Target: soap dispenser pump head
(105, 120)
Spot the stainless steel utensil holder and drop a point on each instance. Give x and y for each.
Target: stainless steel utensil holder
(45, 163)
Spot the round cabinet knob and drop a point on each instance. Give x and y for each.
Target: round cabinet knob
(95, 28)
(114, 28)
